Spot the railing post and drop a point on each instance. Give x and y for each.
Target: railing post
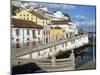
(53, 60)
(72, 56)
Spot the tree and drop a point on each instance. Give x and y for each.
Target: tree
(14, 9)
(65, 14)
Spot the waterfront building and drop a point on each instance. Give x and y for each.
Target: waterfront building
(57, 33)
(56, 25)
(46, 34)
(61, 23)
(34, 16)
(26, 33)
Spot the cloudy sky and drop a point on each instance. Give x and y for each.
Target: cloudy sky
(83, 15)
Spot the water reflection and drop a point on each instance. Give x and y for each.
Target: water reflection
(86, 56)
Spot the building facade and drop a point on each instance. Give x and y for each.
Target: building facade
(26, 34)
(34, 16)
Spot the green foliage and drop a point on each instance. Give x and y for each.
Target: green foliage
(67, 16)
(14, 9)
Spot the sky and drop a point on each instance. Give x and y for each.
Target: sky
(83, 16)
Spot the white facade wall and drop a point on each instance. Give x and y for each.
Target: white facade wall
(16, 3)
(46, 35)
(23, 35)
(69, 30)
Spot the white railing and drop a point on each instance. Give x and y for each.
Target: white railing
(23, 51)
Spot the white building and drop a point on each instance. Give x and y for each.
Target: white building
(69, 28)
(46, 34)
(60, 20)
(16, 3)
(26, 33)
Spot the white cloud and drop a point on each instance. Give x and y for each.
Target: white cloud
(85, 23)
(65, 6)
(81, 17)
(53, 5)
(84, 20)
(92, 22)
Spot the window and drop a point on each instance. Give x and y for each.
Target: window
(33, 33)
(31, 18)
(28, 43)
(34, 43)
(12, 38)
(36, 18)
(49, 31)
(27, 15)
(36, 21)
(24, 15)
(27, 39)
(17, 32)
(46, 40)
(38, 38)
(17, 45)
(38, 32)
(44, 32)
(27, 31)
(17, 40)
(43, 22)
(20, 15)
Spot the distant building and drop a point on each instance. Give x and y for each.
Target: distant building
(16, 3)
(81, 31)
(26, 34)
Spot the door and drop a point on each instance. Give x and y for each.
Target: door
(17, 45)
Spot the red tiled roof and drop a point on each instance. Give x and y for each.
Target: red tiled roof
(24, 24)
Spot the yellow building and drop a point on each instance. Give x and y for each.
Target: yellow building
(33, 16)
(57, 33)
